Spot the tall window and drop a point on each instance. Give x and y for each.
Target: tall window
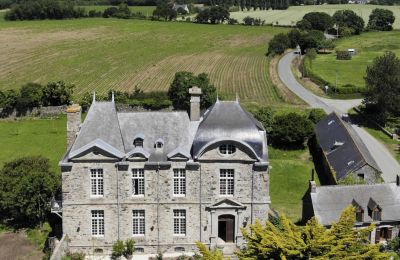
(138, 182)
(179, 182)
(227, 149)
(377, 214)
(359, 215)
(138, 223)
(97, 222)
(226, 181)
(96, 181)
(179, 222)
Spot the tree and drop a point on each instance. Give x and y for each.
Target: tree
(381, 20)
(266, 116)
(278, 44)
(316, 115)
(348, 22)
(291, 130)
(110, 12)
(383, 85)
(294, 37)
(8, 100)
(179, 90)
(166, 11)
(311, 39)
(26, 188)
(30, 96)
(248, 21)
(203, 16)
(209, 254)
(57, 94)
(218, 14)
(316, 21)
(313, 241)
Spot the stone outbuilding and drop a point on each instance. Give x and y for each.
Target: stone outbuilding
(164, 179)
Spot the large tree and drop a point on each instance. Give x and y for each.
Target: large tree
(26, 188)
(348, 19)
(383, 85)
(278, 44)
(57, 93)
(316, 21)
(381, 20)
(183, 81)
(284, 240)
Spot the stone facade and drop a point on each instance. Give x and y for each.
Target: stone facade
(211, 215)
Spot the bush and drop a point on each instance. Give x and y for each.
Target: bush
(30, 96)
(258, 22)
(249, 21)
(117, 249)
(343, 55)
(110, 12)
(57, 94)
(266, 116)
(291, 130)
(316, 115)
(232, 21)
(74, 256)
(278, 44)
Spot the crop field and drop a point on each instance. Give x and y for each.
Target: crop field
(296, 13)
(102, 54)
(146, 10)
(368, 46)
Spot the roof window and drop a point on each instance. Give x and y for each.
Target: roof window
(138, 142)
(227, 149)
(331, 122)
(159, 143)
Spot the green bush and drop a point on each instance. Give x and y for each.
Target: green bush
(74, 256)
(118, 249)
(316, 115)
(343, 55)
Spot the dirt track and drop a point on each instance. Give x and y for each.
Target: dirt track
(15, 246)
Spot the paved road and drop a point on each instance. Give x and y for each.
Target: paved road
(388, 165)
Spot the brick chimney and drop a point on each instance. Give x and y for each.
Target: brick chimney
(195, 94)
(74, 113)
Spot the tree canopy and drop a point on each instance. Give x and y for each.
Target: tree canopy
(381, 20)
(349, 22)
(213, 15)
(183, 81)
(165, 10)
(315, 21)
(26, 188)
(284, 240)
(383, 85)
(278, 44)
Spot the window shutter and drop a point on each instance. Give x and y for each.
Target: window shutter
(377, 235)
(389, 234)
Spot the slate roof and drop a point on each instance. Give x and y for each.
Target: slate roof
(350, 153)
(227, 120)
(329, 201)
(114, 132)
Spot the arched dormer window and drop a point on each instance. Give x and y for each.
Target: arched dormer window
(159, 144)
(227, 149)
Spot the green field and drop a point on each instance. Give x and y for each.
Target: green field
(46, 137)
(146, 10)
(296, 13)
(368, 45)
(102, 54)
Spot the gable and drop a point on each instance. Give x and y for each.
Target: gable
(96, 148)
(227, 204)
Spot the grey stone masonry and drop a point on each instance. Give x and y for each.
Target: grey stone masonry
(74, 115)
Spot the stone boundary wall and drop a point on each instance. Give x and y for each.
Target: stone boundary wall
(50, 111)
(61, 249)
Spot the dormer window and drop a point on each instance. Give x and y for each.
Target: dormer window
(374, 210)
(227, 149)
(359, 211)
(138, 142)
(159, 144)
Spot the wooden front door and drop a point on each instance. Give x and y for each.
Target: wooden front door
(226, 228)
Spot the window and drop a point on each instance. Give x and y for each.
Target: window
(96, 180)
(97, 222)
(179, 182)
(360, 176)
(159, 144)
(179, 249)
(138, 142)
(179, 222)
(226, 181)
(138, 223)
(359, 215)
(227, 149)
(138, 182)
(377, 214)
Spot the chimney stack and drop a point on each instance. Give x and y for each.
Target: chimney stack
(195, 94)
(74, 113)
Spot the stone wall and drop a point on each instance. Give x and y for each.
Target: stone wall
(61, 249)
(50, 111)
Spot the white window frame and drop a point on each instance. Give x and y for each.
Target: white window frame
(97, 223)
(179, 180)
(138, 222)
(226, 182)
(138, 176)
(179, 222)
(227, 149)
(96, 182)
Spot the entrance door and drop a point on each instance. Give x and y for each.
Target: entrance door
(226, 228)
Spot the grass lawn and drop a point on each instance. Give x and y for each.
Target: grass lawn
(368, 45)
(146, 10)
(296, 13)
(290, 174)
(98, 54)
(25, 137)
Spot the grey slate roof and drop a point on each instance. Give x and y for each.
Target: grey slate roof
(227, 120)
(350, 153)
(115, 133)
(329, 201)
(101, 123)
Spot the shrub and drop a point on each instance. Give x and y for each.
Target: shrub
(258, 22)
(118, 249)
(248, 21)
(57, 94)
(278, 44)
(266, 116)
(316, 115)
(343, 55)
(110, 12)
(30, 96)
(74, 256)
(291, 130)
(129, 248)
(232, 21)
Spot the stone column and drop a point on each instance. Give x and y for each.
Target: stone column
(214, 228)
(74, 113)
